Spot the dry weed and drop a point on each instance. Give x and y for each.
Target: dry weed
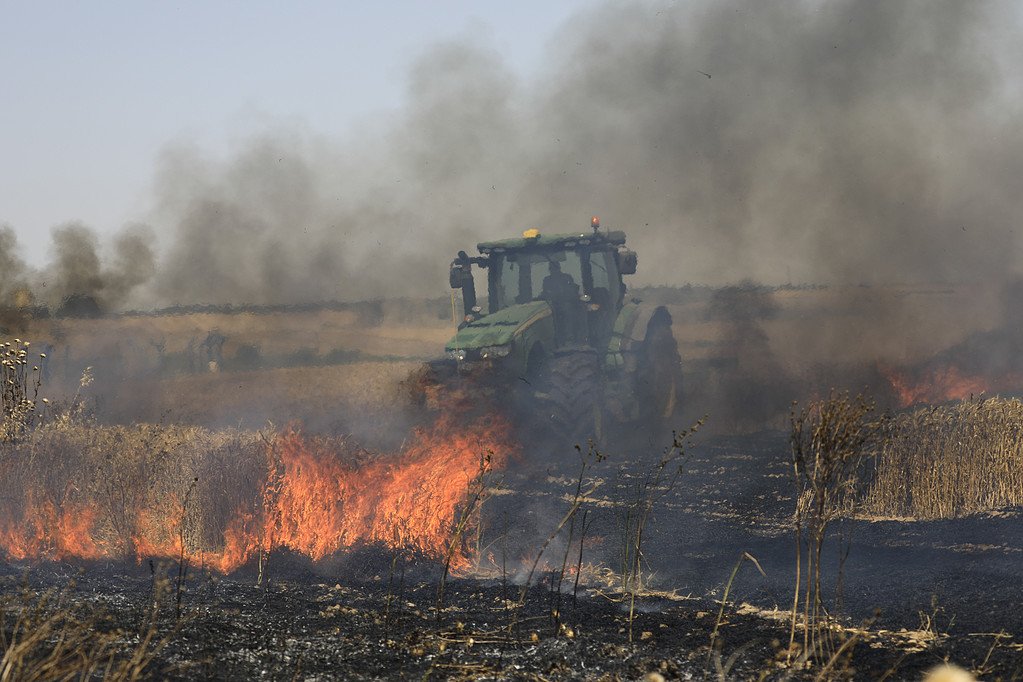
(46, 636)
(19, 390)
(831, 440)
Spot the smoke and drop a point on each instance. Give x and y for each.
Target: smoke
(12, 267)
(750, 390)
(833, 141)
(838, 141)
(76, 267)
(78, 271)
(295, 217)
(133, 263)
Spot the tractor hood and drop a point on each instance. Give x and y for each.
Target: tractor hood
(498, 329)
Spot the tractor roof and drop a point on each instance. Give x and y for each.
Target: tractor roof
(552, 241)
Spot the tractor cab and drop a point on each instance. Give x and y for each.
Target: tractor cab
(575, 278)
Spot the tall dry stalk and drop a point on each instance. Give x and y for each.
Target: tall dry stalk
(745, 556)
(831, 441)
(587, 460)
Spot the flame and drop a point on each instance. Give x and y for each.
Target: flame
(45, 530)
(941, 383)
(312, 501)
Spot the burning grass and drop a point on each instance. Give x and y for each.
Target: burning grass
(313, 494)
(224, 499)
(950, 460)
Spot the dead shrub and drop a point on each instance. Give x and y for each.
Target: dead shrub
(832, 440)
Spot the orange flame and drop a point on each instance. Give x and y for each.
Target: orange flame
(46, 531)
(939, 385)
(311, 502)
(943, 383)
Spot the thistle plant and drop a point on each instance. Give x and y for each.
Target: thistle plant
(20, 391)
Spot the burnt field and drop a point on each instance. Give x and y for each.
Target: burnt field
(247, 494)
(912, 594)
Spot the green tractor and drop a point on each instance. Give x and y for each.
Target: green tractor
(557, 338)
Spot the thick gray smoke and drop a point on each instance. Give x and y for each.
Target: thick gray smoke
(77, 269)
(838, 141)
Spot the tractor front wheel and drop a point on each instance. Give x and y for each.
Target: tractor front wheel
(570, 400)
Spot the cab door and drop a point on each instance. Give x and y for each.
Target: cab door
(604, 290)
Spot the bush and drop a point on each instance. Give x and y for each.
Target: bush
(247, 356)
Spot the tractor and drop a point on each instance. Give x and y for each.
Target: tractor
(558, 339)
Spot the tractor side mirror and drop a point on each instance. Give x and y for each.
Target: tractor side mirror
(627, 261)
(460, 273)
(456, 276)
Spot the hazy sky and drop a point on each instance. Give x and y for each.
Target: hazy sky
(90, 92)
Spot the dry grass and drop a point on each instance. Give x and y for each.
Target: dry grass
(48, 636)
(950, 460)
(166, 345)
(362, 398)
(325, 367)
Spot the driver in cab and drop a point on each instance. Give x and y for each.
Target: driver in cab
(559, 286)
(561, 291)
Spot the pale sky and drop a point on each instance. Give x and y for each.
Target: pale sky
(90, 92)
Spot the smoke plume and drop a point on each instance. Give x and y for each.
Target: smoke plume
(837, 141)
(78, 271)
(832, 141)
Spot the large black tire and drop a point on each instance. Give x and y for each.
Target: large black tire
(659, 376)
(571, 397)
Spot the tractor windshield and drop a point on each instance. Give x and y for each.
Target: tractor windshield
(522, 277)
